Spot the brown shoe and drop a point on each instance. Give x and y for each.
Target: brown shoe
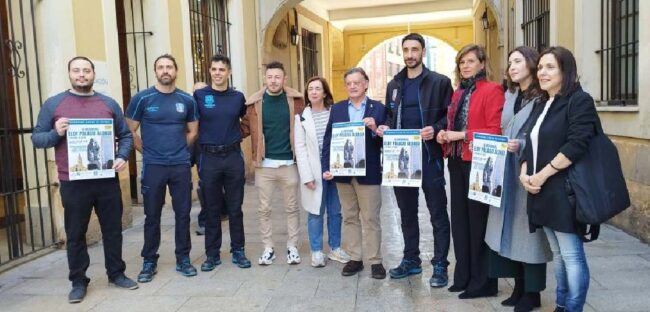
(378, 271)
(352, 267)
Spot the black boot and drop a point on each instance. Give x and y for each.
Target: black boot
(528, 302)
(517, 292)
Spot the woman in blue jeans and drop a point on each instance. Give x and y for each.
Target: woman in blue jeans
(318, 196)
(561, 128)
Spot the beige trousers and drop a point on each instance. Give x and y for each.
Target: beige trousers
(266, 180)
(360, 206)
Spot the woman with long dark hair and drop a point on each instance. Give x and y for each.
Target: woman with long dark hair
(561, 131)
(475, 107)
(514, 251)
(318, 196)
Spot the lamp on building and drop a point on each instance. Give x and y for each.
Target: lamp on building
(294, 35)
(485, 21)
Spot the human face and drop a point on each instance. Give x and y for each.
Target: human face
(412, 51)
(470, 65)
(165, 72)
(316, 92)
(356, 85)
(549, 74)
(82, 76)
(275, 80)
(517, 68)
(219, 72)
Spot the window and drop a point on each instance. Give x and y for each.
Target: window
(309, 54)
(209, 29)
(536, 23)
(619, 52)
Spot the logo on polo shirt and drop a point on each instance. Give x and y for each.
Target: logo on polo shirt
(209, 101)
(180, 107)
(152, 109)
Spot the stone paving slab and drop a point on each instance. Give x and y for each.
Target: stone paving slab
(619, 265)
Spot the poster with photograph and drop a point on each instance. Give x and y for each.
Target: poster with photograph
(91, 149)
(402, 158)
(348, 149)
(488, 164)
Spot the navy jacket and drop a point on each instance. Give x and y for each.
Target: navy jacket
(339, 113)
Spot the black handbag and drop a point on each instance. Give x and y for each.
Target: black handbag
(597, 182)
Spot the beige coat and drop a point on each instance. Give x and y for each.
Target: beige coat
(308, 159)
(251, 124)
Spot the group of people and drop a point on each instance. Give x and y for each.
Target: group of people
(548, 118)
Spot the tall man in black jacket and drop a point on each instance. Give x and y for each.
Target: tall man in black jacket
(417, 98)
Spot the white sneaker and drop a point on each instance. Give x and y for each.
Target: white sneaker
(292, 255)
(317, 259)
(267, 257)
(339, 255)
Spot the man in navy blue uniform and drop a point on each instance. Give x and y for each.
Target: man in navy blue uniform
(169, 125)
(220, 163)
(417, 98)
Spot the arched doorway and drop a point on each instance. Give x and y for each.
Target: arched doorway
(386, 60)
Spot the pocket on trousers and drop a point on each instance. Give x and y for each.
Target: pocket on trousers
(144, 189)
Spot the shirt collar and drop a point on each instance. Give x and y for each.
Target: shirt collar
(363, 103)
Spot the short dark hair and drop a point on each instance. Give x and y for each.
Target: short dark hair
(92, 65)
(567, 64)
(275, 65)
(329, 99)
(414, 36)
(354, 70)
(531, 57)
(221, 58)
(165, 56)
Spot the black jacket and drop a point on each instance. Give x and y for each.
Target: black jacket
(434, 96)
(563, 131)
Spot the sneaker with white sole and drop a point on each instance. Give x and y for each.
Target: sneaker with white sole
(317, 259)
(267, 257)
(339, 255)
(292, 255)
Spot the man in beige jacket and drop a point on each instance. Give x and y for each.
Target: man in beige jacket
(269, 122)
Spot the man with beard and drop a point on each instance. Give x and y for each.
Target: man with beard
(169, 125)
(417, 98)
(79, 197)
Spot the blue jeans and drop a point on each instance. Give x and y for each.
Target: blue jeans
(315, 222)
(571, 270)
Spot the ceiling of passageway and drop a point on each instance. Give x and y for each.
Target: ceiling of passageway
(352, 14)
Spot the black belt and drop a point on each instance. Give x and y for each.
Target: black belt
(220, 149)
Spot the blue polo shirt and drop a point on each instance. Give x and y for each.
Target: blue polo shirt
(163, 120)
(219, 115)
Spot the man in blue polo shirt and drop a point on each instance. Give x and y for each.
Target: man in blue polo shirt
(221, 165)
(169, 125)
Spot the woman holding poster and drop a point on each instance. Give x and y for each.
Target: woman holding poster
(475, 107)
(515, 252)
(318, 195)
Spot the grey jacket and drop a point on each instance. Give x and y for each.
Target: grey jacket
(508, 232)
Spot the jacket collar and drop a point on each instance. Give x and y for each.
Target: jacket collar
(403, 73)
(257, 96)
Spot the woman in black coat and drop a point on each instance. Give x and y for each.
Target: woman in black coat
(562, 125)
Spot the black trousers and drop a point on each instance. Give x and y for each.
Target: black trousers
(155, 179)
(79, 198)
(468, 224)
(222, 178)
(533, 274)
(433, 185)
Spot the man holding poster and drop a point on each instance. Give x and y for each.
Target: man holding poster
(79, 197)
(360, 188)
(417, 98)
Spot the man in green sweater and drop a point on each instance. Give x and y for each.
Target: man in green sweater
(269, 122)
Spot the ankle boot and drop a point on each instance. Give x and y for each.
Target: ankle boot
(528, 302)
(517, 292)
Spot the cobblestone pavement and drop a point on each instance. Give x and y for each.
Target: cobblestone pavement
(619, 264)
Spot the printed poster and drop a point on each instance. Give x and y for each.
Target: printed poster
(402, 158)
(348, 149)
(488, 165)
(91, 149)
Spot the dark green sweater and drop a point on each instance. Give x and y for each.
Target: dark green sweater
(275, 123)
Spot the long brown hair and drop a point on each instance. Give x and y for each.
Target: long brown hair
(531, 57)
(329, 99)
(481, 55)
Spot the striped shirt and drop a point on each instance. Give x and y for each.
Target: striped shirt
(320, 122)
